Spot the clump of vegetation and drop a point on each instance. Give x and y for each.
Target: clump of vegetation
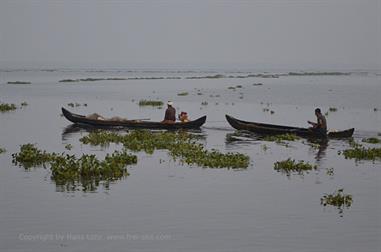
(337, 199)
(151, 103)
(68, 146)
(183, 94)
(362, 153)
(372, 140)
(23, 104)
(2, 150)
(180, 145)
(71, 104)
(69, 170)
(19, 82)
(204, 103)
(88, 168)
(281, 138)
(29, 156)
(257, 84)
(5, 107)
(332, 109)
(238, 86)
(330, 171)
(232, 88)
(290, 165)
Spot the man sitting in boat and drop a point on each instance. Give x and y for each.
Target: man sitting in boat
(170, 113)
(320, 127)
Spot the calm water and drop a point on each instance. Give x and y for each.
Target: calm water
(167, 206)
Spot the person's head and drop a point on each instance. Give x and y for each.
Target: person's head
(317, 111)
(170, 104)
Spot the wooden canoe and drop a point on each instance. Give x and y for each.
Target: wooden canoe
(271, 129)
(80, 119)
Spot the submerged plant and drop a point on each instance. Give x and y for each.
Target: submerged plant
(337, 199)
(150, 103)
(290, 165)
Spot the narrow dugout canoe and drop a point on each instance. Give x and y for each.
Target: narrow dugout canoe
(80, 119)
(271, 129)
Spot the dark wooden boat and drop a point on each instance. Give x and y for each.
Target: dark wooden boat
(138, 124)
(271, 129)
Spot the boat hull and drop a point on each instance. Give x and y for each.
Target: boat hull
(136, 124)
(271, 129)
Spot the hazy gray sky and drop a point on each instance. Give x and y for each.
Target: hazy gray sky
(263, 34)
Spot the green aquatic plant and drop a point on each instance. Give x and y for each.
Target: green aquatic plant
(5, 107)
(150, 103)
(2, 150)
(330, 171)
(204, 103)
(332, 109)
(337, 199)
(362, 153)
(183, 94)
(290, 165)
(281, 138)
(232, 88)
(181, 145)
(19, 82)
(23, 104)
(69, 170)
(238, 86)
(372, 140)
(29, 156)
(68, 146)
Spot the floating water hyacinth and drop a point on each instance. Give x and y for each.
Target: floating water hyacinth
(363, 153)
(181, 145)
(183, 94)
(281, 138)
(5, 107)
(150, 103)
(2, 150)
(69, 170)
(372, 140)
(290, 165)
(337, 199)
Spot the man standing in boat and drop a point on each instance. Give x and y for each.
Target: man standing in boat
(170, 113)
(320, 127)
